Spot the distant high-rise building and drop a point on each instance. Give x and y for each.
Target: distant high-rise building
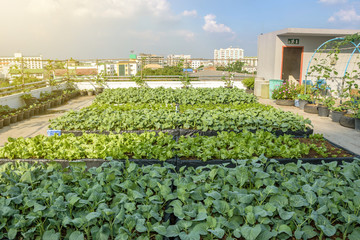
(146, 59)
(228, 55)
(173, 60)
(28, 62)
(21, 62)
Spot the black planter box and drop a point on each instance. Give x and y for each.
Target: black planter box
(91, 162)
(186, 132)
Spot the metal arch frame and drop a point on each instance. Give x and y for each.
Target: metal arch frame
(333, 39)
(348, 63)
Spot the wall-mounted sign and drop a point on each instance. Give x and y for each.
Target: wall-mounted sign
(295, 41)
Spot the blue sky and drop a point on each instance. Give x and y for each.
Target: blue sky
(81, 29)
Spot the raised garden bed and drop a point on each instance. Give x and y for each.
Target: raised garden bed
(185, 152)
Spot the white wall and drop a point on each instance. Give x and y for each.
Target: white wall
(266, 56)
(166, 84)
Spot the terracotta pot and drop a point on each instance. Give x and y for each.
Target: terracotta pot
(32, 112)
(20, 116)
(1, 123)
(83, 93)
(90, 93)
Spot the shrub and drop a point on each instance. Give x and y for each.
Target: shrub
(249, 82)
(286, 91)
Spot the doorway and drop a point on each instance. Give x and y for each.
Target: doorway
(292, 63)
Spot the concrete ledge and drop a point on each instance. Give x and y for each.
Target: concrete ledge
(155, 84)
(15, 101)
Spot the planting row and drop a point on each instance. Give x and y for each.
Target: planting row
(163, 146)
(252, 118)
(100, 107)
(251, 201)
(181, 96)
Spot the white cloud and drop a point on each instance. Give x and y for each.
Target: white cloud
(192, 13)
(212, 26)
(187, 35)
(104, 8)
(345, 16)
(333, 1)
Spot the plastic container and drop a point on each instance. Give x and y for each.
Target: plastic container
(265, 90)
(53, 132)
(274, 84)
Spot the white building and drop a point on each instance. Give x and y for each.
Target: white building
(127, 68)
(195, 64)
(173, 60)
(146, 59)
(250, 64)
(107, 68)
(19, 60)
(228, 55)
(10, 67)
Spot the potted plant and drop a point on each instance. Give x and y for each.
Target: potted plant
(357, 120)
(100, 83)
(337, 112)
(139, 81)
(311, 106)
(229, 83)
(5, 109)
(347, 120)
(83, 92)
(325, 102)
(36, 109)
(90, 92)
(304, 99)
(6, 120)
(31, 110)
(20, 115)
(28, 99)
(13, 117)
(1, 123)
(58, 100)
(26, 113)
(249, 84)
(285, 94)
(185, 80)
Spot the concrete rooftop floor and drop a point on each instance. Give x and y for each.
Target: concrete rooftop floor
(345, 137)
